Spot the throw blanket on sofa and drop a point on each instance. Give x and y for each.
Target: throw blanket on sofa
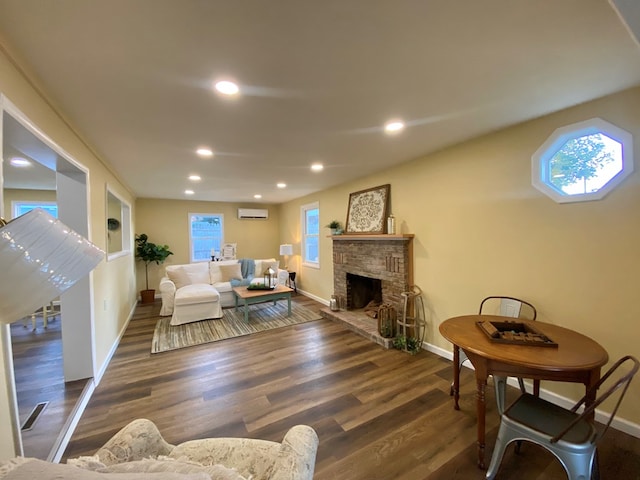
(247, 268)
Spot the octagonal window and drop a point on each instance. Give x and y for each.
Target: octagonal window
(583, 161)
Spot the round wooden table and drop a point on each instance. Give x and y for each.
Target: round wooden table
(577, 358)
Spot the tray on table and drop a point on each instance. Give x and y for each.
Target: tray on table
(259, 286)
(515, 333)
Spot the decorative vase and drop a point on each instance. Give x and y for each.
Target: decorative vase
(333, 303)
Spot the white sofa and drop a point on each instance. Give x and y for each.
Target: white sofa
(198, 291)
(138, 451)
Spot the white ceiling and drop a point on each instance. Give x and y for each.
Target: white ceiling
(319, 79)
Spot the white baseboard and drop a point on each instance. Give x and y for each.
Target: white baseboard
(618, 423)
(317, 299)
(112, 351)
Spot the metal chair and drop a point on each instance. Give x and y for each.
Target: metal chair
(506, 307)
(570, 436)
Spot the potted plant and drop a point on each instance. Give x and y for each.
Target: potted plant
(408, 344)
(336, 228)
(150, 252)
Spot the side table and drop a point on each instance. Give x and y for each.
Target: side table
(291, 283)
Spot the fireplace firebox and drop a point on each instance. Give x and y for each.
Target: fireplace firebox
(361, 291)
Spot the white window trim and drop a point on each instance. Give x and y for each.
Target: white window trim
(540, 159)
(125, 226)
(191, 259)
(303, 227)
(16, 203)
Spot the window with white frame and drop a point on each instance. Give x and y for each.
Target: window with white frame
(206, 234)
(20, 208)
(583, 161)
(310, 223)
(118, 226)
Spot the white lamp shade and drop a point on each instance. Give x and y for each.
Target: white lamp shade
(40, 257)
(286, 249)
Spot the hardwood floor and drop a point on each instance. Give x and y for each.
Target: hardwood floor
(37, 359)
(380, 414)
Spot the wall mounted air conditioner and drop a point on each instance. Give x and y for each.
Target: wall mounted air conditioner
(244, 213)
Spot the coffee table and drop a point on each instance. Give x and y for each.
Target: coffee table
(249, 297)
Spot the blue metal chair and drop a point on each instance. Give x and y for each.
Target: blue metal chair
(570, 436)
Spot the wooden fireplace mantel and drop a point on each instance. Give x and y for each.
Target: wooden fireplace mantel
(400, 237)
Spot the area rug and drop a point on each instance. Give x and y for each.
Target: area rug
(261, 317)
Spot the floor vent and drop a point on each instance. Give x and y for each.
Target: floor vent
(33, 416)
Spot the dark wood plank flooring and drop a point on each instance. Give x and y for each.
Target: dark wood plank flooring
(37, 360)
(380, 414)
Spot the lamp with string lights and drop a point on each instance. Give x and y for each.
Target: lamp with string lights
(40, 257)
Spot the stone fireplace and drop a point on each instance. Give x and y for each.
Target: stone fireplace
(385, 262)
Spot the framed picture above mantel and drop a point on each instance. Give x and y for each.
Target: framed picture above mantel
(367, 212)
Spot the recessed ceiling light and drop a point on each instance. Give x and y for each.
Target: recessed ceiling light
(394, 126)
(226, 87)
(204, 152)
(281, 185)
(257, 195)
(317, 167)
(195, 178)
(20, 162)
(189, 192)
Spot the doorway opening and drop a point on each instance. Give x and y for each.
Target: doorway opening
(53, 366)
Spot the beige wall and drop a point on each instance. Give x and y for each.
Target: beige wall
(481, 228)
(113, 282)
(23, 195)
(167, 222)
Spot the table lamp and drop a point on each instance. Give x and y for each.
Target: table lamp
(40, 257)
(286, 249)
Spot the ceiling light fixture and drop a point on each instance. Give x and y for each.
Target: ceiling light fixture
(195, 178)
(281, 185)
(394, 126)
(226, 87)
(257, 195)
(189, 192)
(204, 152)
(20, 162)
(317, 167)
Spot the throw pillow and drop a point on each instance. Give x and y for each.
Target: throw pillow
(231, 272)
(274, 265)
(264, 263)
(197, 272)
(179, 276)
(214, 270)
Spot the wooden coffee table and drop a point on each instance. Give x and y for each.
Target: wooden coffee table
(249, 297)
